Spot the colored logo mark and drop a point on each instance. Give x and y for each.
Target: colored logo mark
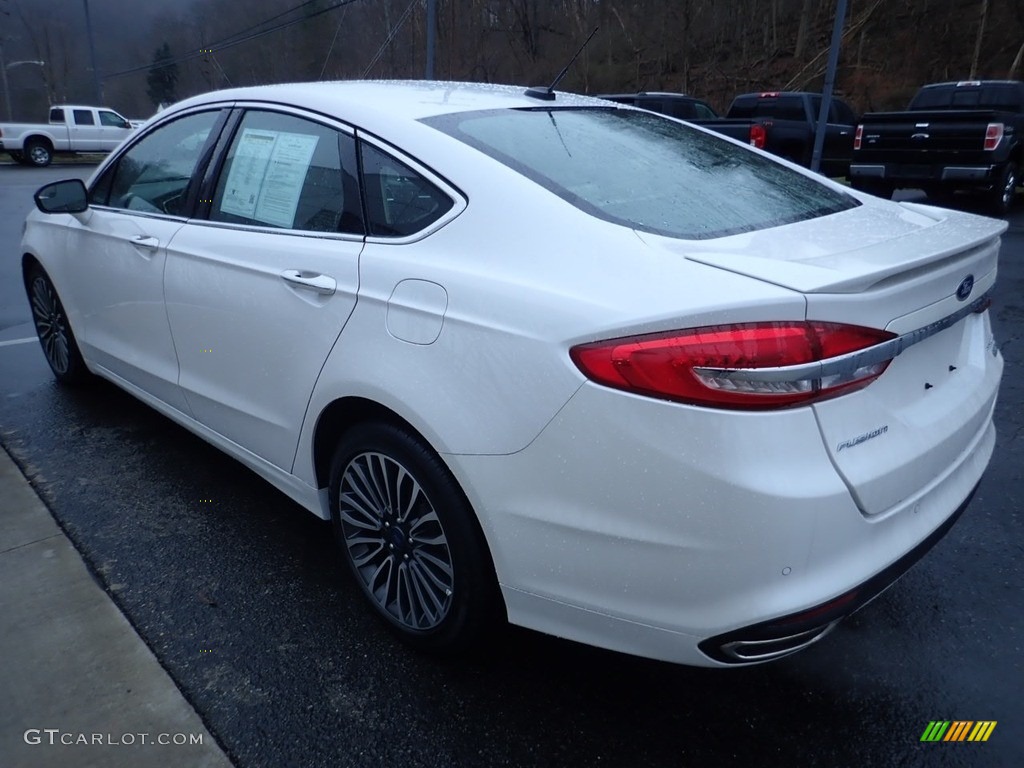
(958, 730)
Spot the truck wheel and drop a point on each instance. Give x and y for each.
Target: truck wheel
(39, 153)
(1004, 190)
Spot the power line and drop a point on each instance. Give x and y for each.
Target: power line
(386, 43)
(232, 43)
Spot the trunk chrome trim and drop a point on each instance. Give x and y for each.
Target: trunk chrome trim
(845, 365)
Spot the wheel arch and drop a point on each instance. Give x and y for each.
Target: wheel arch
(41, 138)
(345, 413)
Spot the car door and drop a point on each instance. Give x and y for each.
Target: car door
(120, 249)
(84, 134)
(258, 293)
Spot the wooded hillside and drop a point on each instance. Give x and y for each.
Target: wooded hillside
(709, 48)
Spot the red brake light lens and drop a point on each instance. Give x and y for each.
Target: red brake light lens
(993, 135)
(693, 366)
(758, 136)
(858, 136)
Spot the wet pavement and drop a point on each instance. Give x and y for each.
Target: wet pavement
(242, 598)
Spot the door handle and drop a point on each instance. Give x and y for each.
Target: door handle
(146, 241)
(300, 278)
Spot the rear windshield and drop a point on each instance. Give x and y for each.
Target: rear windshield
(644, 171)
(1002, 97)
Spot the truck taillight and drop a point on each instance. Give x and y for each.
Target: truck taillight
(758, 136)
(993, 135)
(858, 136)
(749, 366)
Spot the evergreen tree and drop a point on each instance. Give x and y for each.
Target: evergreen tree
(163, 77)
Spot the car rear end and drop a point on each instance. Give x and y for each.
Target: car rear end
(774, 421)
(954, 136)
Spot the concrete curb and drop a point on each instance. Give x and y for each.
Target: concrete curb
(80, 687)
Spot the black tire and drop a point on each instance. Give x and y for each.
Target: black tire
(54, 330)
(874, 187)
(411, 540)
(38, 152)
(1004, 191)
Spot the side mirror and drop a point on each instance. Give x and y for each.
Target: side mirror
(67, 196)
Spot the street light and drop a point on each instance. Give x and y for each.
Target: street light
(3, 72)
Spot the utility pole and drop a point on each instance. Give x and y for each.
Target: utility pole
(97, 90)
(431, 37)
(830, 80)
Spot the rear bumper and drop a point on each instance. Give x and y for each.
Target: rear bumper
(914, 175)
(668, 531)
(788, 634)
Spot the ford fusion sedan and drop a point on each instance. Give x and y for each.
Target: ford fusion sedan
(552, 360)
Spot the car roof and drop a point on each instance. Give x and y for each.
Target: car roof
(403, 99)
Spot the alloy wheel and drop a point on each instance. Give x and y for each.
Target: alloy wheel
(396, 542)
(51, 324)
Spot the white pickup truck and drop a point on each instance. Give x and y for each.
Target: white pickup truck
(72, 129)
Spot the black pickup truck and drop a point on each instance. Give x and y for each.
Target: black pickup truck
(694, 111)
(781, 122)
(954, 136)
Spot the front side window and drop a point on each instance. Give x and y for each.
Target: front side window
(704, 112)
(643, 171)
(153, 176)
(112, 120)
(399, 201)
(287, 172)
(83, 117)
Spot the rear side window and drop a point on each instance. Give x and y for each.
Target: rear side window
(83, 117)
(287, 172)
(399, 201)
(643, 171)
(56, 115)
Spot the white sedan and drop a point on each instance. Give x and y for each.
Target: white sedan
(589, 368)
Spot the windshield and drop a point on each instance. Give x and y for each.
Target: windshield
(645, 171)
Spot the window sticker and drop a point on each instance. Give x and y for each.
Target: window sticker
(267, 174)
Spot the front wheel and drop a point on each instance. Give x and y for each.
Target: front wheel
(54, 330)
(411, 539)
(1004, 190)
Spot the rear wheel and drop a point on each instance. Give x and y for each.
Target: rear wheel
(54, 330)
(39, 153)
(1004, 190)
(410, 538)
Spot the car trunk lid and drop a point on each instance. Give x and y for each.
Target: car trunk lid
(904, 269)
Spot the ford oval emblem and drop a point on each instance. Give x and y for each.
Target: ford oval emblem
(964, 289)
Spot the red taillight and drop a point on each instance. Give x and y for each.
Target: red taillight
(744, 366)
(858, 136)
(993, 135)
(758, 136)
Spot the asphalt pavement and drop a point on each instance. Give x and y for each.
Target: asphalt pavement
(241, 598)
